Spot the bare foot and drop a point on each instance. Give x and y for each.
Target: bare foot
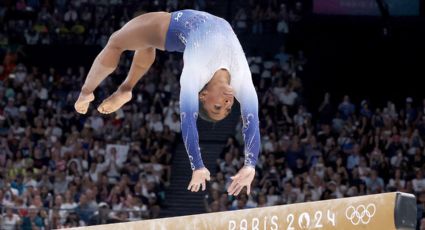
(83, 102)
(115, 101)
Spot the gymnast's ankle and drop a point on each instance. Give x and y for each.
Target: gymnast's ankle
(86, 91)
(125, 88)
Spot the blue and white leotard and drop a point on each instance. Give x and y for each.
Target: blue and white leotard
(208, 44)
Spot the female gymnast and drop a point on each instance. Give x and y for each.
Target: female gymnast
(215, 71)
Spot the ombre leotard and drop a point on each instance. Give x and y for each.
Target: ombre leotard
(208, 44)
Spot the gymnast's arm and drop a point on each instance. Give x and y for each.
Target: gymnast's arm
(247, 97)
(189, 103)
(248, 100)
(188, 114)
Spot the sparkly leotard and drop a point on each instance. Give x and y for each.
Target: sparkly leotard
(208, 44)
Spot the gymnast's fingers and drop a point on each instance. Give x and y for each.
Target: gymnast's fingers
(231, 187)
(234, 188)
(239, 189)
(195, 188)
(234, 181)
(203, 185)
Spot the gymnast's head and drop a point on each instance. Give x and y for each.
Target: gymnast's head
(216, 98)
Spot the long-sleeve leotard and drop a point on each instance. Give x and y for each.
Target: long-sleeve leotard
(209, 44)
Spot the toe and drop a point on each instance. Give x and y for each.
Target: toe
(81, 109)
(100, 109)
(103, 109)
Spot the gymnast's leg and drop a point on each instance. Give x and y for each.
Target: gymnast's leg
(142, 60)
(132, 36)
(104, 64)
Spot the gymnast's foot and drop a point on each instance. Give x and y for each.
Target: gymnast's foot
(115, 101)
(83, 102)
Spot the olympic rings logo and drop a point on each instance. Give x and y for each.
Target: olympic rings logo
(361, 214)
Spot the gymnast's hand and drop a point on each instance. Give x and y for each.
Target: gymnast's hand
(243, 178)
(199, 176)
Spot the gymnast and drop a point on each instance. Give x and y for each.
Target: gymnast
(215, 72)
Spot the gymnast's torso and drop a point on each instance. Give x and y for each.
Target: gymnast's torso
(208, 42)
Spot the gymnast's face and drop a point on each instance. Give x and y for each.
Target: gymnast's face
(217, 100)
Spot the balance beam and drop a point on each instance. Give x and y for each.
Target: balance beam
(381, 212)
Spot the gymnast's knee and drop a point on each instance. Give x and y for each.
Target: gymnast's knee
(115, 41)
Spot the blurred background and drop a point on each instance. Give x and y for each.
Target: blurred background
(342, 111)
